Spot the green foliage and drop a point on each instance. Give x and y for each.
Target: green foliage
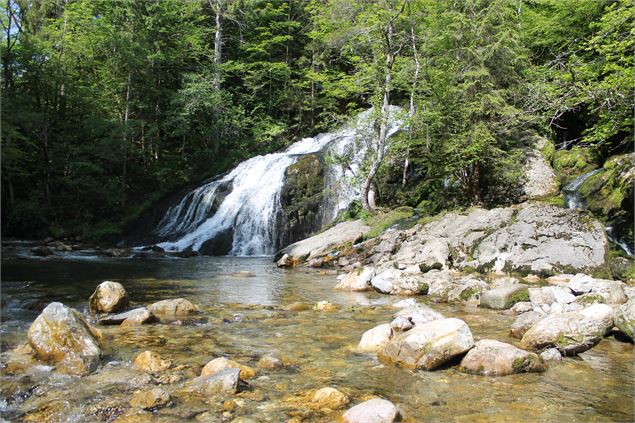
(381, 221)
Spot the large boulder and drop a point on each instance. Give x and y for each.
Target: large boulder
(550, 295)
(540, 179)
(625, 318)
(175, 307)
(61, 336)
(467, 289)
(505, 296)
(399, 282)
(429, 345)
(571, 333)
(495, 358)
(376, 410)
(373, 339)
(357, 280)
(109, 297)
(418, 314)
(612, 291)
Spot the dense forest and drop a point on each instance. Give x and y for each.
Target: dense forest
(108, 106)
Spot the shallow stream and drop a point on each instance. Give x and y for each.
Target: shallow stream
(244, 316)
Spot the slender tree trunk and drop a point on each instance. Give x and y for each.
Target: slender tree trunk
(218, 45)
(124, 137)
(413, 104)
(383, 121)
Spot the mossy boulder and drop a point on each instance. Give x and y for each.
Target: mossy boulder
(611, 190)
(571, 163)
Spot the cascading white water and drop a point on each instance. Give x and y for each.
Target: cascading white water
(250, 209)
(572, 197)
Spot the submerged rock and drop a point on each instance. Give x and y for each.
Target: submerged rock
(504, 296)
(571, 333)
(225, 381)
(325, 306)
(357, 280)
(150, 361)
(429, 345)
(373, 339)
(376, 410)
(330, 398)
(221, 363)
(270, 362)
(494, 358)
(61, 336)
(138, 316)
(175, 307)
(109, 297)
(150, 400)
(625, 319)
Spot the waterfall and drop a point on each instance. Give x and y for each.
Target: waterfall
(244, 204)
(574, 200)
(572, 197)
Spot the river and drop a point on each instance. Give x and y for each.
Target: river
(244, 316)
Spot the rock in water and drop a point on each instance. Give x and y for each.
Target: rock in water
(151, 399)
(138, 316)
(330, 398)
(429, 345)
(221, 363)
(524, 322)
(419, 314)
(398, 282)
(225, 381)
(176, 307)
(625, 318)
(571, 333)
(612, 291)
(504, 296)
(357, 280)
(149, 361)
(60, 335)
(494, 358)
(109, 297)
(373, 411)
(373, 339)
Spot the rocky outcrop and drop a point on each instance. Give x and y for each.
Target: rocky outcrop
(321, 244)
(376, 410)
(61, 336)
(176, 307)
(494, 358)
(540, 179)
(571, 333)
(429, 345)
(625, 319)
(221, 363)
(109, 297)
(505, 296)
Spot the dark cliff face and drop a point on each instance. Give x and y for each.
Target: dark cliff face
(301, 199)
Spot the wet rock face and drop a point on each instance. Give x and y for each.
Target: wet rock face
(571, 333)
(494, 358)
(61, 336)
(109, 297)
(150, 400)
(429, 345)
(176, 307)
(300, 199)
(373, 411)
(625, 319)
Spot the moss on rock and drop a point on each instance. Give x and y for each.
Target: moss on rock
(571, 163)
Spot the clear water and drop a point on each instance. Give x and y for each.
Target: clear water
(244, 317)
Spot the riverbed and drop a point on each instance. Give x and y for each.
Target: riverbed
(244, 315)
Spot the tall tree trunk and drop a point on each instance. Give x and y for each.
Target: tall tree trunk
(124, 138)
(383, 121)
(218, 44)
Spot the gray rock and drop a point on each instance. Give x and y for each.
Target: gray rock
(61, 336)
(225, 381)
(439, 283)
(494, 358)
(357, 280)
(176, 307)
(429, 345)
(551, 354)
(550, 295)
(139, 316)
(612, 291)
(571, 333)
(504, 296)
(467, 289)
(398, 282)
(419, 314)
(109, 297)
(151, 399)
(373, 339)
(625, 318)
(540, 179)
(524, 322)
(519, 308)
(373, 411)
(401, 324)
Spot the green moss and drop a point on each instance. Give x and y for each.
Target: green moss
(381, 221)
(548, 151)
(571, 163)
(424, 288)
(554, 200)
(469, 293)
(590, 298)
(517, 297)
